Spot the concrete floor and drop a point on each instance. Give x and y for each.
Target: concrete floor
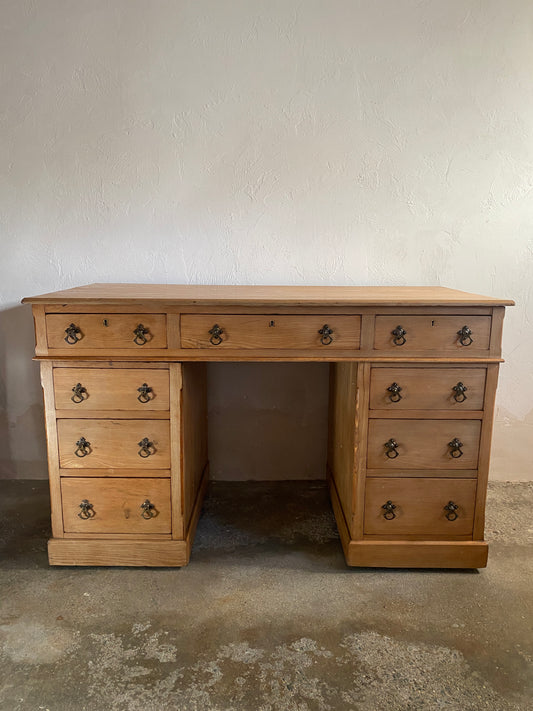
(266, 617)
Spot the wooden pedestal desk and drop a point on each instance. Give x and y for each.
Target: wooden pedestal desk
(412, 388)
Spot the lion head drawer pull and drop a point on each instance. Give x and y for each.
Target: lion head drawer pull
(451, 511)
(140, 335)
(389, 511)
(465, 336)
(146, 448)
(87, 510)
(216, 335)
(80, 393)
(74, 334)
(399, 334)
(144, 395)
(394, 391)
(148, 510)
(325, 335)
(83, 448)
(455, 448)
(459, 392)
(391, 448)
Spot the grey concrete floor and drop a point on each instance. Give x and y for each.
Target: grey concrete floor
(266, 617)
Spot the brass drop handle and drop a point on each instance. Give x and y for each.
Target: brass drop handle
(465, 336)
(144, 395)
(74, 334)
(146, 448)
(399, 334)
(455, 448)
(394, 391)
(140, 335)
(83, 448)
(148, 509)
(391, 448)
(216, 335)
(451, 511)
(87, 510)
(389, 511)
(80, 393)
(459, 392)
(325, 335)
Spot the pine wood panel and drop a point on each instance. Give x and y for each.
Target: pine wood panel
(116, 505)
(111, 389)
(419, 506)
(114, 443)
(423, 444)
(193, 433)
(52, 449)
(95, 334)
(100, 551)
(432, 333)
(427, 388)
(417, 554)
(270, 331)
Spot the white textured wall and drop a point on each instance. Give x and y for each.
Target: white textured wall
(265, 141)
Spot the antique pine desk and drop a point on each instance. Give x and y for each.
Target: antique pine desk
(412, 388)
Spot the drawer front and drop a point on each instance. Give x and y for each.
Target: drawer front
(427, 388)
(84, 389)
(419, 506)
(81, 331)
(270, 331)
(115, 505)
(432, 333)
(113, 444)
(422, 444)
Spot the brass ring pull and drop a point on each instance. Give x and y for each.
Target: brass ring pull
(394, 391)
(459, 392)
(391, 448)
(146, 448)
(325, 335)
(148, 510)
(144, 393)
(465, 336)
(399, 334)
(87, 510)
(80, 393)
(74, 334)
(83, 448)
(140, 335)
(389, 511)
(455, 446)
(216, 335)
(451, 510)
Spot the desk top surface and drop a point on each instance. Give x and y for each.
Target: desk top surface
(199, 295)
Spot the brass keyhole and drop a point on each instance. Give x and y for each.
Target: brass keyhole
(272, 323)
(105, 322)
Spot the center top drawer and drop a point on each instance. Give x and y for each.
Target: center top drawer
(257, 331)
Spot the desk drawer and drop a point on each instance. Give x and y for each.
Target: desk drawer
(115, 505)
(432, 333)
(423, 444)
(419, 507)
(102, 444)
(427, 388)
(270, 331)
(84, 389)
(106, 331)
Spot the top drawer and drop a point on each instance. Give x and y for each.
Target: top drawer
(259, 331)
(432, 333)
(106, 331)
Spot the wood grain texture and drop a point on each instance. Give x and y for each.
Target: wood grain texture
(176, 451)
(95, 334)
(423, 444)
(427, 388)
(102, 551)
(111, 389)
(419, 506)
(194, 433)
(114, 443)
(52, 449)
(432, 333)
(417, 554)
(270, 331)
(39, 324)
(116, 505)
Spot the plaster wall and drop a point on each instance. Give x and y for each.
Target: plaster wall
(268, 142)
